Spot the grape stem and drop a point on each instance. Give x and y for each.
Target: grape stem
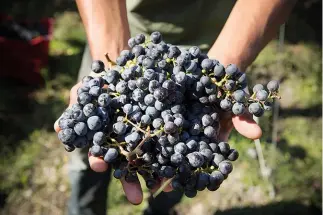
(220, 83)
(122, 151)
(163, 186)
(133, 124)
(114, 94)
(110, 62)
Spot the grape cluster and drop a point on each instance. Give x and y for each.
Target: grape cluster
(157, 113)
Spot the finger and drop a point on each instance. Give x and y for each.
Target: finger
(97, 164)
(246, 126)
(56, 127)
(133, 192)
(225, 128)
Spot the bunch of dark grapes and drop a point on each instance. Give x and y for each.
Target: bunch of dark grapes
(156, 113)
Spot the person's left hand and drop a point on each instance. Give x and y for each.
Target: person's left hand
(133, 191)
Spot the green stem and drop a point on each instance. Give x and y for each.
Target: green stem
(162, 187)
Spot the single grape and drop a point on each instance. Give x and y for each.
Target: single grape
(153, 85)
(138, 95)
(195, 51)
(66, 135)
(216, 178)
(207, 153)
(118, 173)
(257, 88)
(218, 70)
(202, 181)
(262, 95)
(84, 98)
(233, 155)
(145, 119)
(207, 120)
(140, 38)
(148, 63)
(127, 109)
(96, 151)
(156, 37)
(217, 158)
(138, 50)
(97, 66)
(66, 123)
(225, 167)
(238, 108)
(142, 83)
(80, 128)
(169, 85)
(111, 155)
(224, 148)
(161, 159)
(214, 147)
(239, 96)
(163, 140)
(97, 81)
(191, 144)
(132, 42)
(94, 123)
(121, 60)
(226, 104)
(122, 87)
(169, 172)
(230, 85)
(231, 70)
(69, 148)
(195, 159)
(179, 122)
(173, 52)
(255, 108)
(207, 64)
(89, 110)
(160, 94)
(104, 100)
(273, 86)
(99, 138)
(180, 148)
(119, 128)
(210, 132)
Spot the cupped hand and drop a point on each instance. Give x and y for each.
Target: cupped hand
(244, 124)
(133, 191)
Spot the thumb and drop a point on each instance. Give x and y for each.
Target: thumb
(246, 126)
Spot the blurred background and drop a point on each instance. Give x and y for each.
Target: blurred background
(40, 56)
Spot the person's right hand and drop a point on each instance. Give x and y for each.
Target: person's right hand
(132, 191)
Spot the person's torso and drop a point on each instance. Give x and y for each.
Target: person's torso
(182, 22)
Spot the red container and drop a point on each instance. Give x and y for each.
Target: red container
(23, 60)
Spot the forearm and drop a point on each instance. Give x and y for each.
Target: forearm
(106, 26)
(249, 28)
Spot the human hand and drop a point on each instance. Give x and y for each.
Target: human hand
(244, 123)
(133, 191)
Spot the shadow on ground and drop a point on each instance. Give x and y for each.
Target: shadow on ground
(277, 208)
